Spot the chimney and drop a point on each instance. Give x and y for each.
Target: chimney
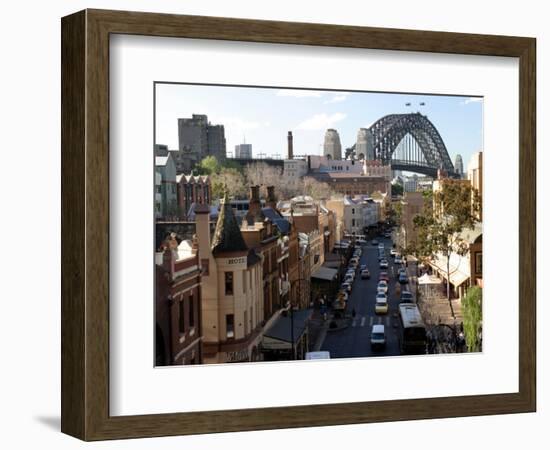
(290, 146)
(254, 205)
(271, 200)
(201, 240)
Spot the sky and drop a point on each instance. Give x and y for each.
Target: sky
(263, 116)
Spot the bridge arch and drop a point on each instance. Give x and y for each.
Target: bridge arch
(431, 154)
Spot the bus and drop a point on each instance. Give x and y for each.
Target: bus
(412, 336)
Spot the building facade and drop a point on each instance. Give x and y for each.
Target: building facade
(232, 301)
(243, 151)
(200, 137)
(168, 187)
(364, 147)
(178, 333)
(192, 190)
(332, 148)
(475, 176)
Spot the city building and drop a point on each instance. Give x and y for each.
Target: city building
(158, 194)
(459, 166)
(294, 169)
(178, 331)
(412, 204)
(364, 147)
(243, 151)
(332, 147)
(263, 235)
(185, 158)
(475, 176)
(192, 189)
(201, 138)
(232, 295)
(464, 270)
(410, 184)
(165, 166)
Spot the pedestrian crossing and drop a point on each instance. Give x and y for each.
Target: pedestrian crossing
(362, 321)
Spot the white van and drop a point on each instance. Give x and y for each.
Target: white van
(317, 355)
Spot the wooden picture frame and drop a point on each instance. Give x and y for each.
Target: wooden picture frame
(85, 224)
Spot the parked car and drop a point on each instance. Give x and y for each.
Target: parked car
(384, 276)
(346, 286)
(383, 264)
(374, 242)
(381, 305)
(381, 246)
(398, 259)
(382, 286)
(365, 274)
(403, 278)
(378, 337)
(362, 267)
(393, 252)
(406, 297)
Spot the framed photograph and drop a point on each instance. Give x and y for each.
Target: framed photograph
(273, 225)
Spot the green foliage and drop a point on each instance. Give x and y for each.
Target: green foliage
(396, 189)
(208, 166)
(446, 213)
(472, 311)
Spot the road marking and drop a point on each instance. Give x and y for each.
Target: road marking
(363, 321)
(379, 320)
(371, 321)
(353, 323)
(387, 321)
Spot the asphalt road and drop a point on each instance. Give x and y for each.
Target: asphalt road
(354, 341)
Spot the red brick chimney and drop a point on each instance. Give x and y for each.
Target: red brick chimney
(254, 205)
(271, 199)
(290, 146)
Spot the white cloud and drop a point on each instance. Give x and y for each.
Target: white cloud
(337, 98)
(472, 100)
(298, 93)
(321, 121)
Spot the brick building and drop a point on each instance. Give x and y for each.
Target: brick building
(177, 304)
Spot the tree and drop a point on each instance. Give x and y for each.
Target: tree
(230, 179)
(396, 189)
(447, 212)
(208, 166)
(472, 312)
(316, 189)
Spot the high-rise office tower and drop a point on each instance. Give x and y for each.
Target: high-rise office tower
(203, 138)
(459, 165)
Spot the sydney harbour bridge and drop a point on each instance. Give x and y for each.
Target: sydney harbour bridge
(408, 142)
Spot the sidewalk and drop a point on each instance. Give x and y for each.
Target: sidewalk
(318, 328)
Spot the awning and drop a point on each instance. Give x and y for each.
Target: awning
(428, 279)
(459, 268)
(325, 273)
(279, 335)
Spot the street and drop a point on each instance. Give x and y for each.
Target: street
(354, 341)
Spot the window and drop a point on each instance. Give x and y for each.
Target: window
(352, 222)
(228, 283)
(353, 211)
(230, 326)
(191, 312)
(181, 317)
(244, 281)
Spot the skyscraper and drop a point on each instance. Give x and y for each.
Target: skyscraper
(332, 148)
(364, 148)
(203, 138)
(459, 165)
(243, 151)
